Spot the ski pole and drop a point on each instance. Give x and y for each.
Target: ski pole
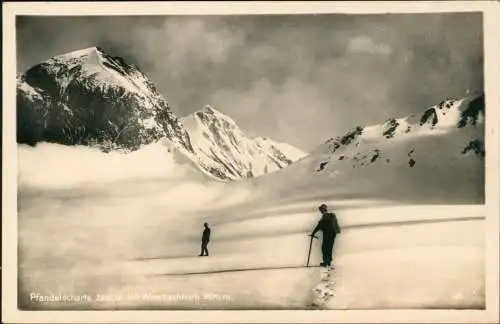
(310, 246)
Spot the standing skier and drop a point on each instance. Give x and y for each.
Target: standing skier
(205, 238)
(330, 228)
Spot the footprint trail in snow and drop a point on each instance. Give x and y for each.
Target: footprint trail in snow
(326, 289)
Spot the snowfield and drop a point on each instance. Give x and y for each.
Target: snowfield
(123, 231)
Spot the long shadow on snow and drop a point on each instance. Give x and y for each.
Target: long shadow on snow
(275, 233)
(277, 202)
(346, 227)
(236, 216)
(234, 270)
(248, 208)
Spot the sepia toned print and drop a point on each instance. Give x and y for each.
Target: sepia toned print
(264, 162)
(398, 158)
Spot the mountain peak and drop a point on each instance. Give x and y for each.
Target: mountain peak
(119, 93)
(210, 113)
(94, 57)
(93, 65)
(89, 51)
(226, 152)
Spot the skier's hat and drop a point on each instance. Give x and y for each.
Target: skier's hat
(323, 207)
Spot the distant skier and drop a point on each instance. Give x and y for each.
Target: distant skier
(330, 228)
(204, 240)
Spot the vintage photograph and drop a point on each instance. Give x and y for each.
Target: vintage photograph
(251, 162)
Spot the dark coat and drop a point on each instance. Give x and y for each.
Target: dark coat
(328, 224)
(206, 235)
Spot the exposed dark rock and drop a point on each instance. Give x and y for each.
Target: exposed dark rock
(392, 126)
(477, 146)
(472, 112)
(62, 101)
(322, 166)
(428, 114)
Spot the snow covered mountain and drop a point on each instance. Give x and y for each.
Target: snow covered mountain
(446, 117)
(223, 150)
(88, 97)
(435, 156)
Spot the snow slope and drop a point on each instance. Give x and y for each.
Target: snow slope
(131, 242)
(417, 158)
(138, 245)
(225, 151)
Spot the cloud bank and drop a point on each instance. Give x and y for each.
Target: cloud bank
(57, 166)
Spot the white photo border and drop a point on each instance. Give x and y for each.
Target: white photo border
(491, 23)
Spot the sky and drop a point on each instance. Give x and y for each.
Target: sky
(300, 79)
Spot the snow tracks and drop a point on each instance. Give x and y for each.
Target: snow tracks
(325, 290)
